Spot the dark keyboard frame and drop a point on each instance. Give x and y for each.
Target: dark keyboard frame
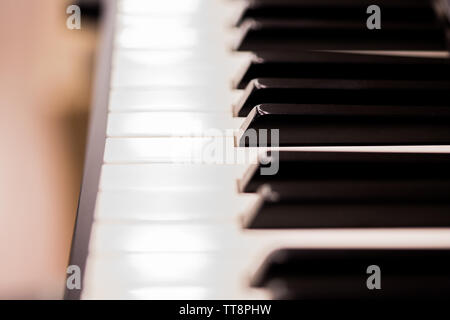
(95, 145)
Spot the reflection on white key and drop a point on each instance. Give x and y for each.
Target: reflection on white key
(198, 268)
(208, 150)
(186, 75)
(177, 293)
(197, 99)
(148, 60)
(181, 32)
(164, 23)
(174, 68)
(164, 237)
(163, 150)
(214, 10)
(153, 38)
(218, 273)
(177, 58)
(166, 124)
(150, 293)
(185, 237)
(208, 205)
(158, 8)
(170, 176)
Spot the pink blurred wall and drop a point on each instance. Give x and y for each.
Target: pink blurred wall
(44, 91)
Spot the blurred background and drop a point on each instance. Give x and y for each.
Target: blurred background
(45, 84)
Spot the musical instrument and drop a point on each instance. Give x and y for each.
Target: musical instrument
(267, 149)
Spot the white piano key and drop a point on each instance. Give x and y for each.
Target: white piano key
(176, 76)
(159, 8)
(208, 150)
(177, 293)
(164, 237)
(187, 39)
(188, 205)
(174, 68)
(167, 33)
(187, 99)
(135, 38)
(167, 124)
(198, 268)
(211, 271)
(160, 150)
(197, 8)
(218, 150)
(152, 293)
(171, 58)
(215, 18)
(228, 237)
(170, 176)
(166, 23)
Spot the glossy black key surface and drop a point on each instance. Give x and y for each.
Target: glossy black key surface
(328, 65)
(398, 10)
(303, 125)
(318, 167)
(298, 215)
(339, 91)
(276, 35)
(343, 273)
(342, 190)
(351, 204)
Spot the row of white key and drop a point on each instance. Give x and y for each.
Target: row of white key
(165, 221)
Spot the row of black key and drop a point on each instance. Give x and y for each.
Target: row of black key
(336, 98)
(352, 190)
(352, 274)
(341, 98)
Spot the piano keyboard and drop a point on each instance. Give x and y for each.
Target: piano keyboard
(175, 204)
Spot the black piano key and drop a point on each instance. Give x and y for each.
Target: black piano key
(343, 273)
(285, 215)
(275, 210)
(340, 91)
(318, 167)
(347, 288)
(276, 35)
(302, 125)
(342, 65)
(430, 291)
(343, 190)
(399, 10)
